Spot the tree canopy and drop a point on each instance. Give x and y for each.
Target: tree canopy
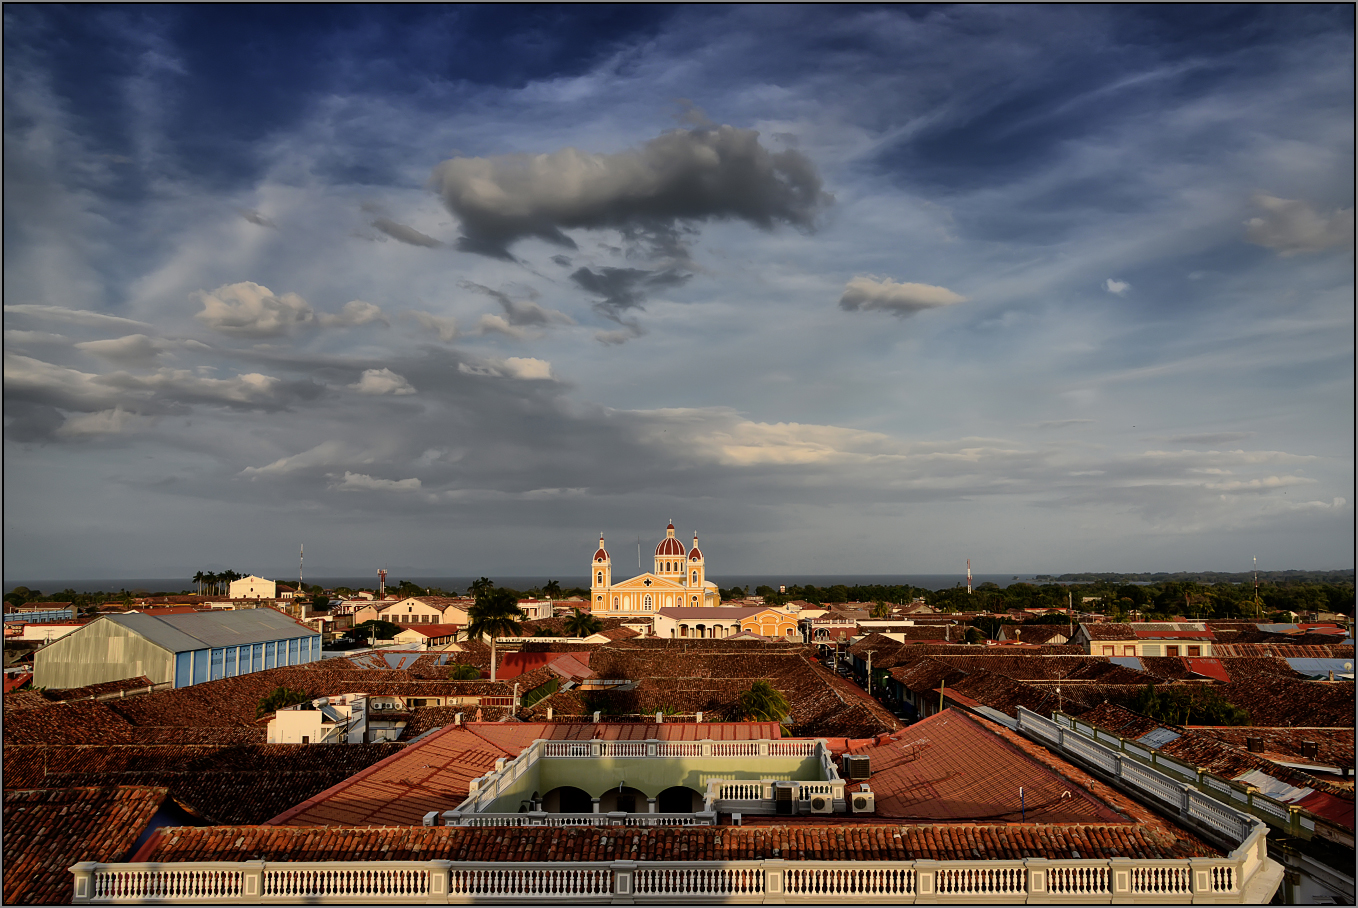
(763, 703)
(581, 624)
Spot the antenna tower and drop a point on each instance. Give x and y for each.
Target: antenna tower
(968, 576)
(301, 553)
(381, 584)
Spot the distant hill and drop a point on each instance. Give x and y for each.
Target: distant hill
(1346, 576)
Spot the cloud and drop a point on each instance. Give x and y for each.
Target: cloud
(498, 324)
(1289, 226)
(528, 368)
(361, 482)
(625, 288)
(523, 312)
(1116, 287)
(104, 422)
(444, 327)
(254, 217)
(525, 368)
(1061, 423)
(563, 260)
(630, 330)
(382, 381)
(75, 316)
(1210, 438)
(325, 454)
(902, 300)
(353, 314)
(247, 309)
(404, 234)
(700, 174)
(133, 350)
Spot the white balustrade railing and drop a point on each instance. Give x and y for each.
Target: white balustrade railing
(830, 881)
(803, 748)
(736, 748)
(683, 882)
(1007, 878)
(1213, 880)
(1163, 879)
(369, 881)
(679, 749)
(538, 882)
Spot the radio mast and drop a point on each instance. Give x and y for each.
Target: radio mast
(968, 576)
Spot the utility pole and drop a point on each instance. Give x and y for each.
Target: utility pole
(869, 652)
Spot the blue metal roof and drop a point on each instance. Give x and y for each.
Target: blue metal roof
(1158, 737)
(1321, 668)
(1132, 662)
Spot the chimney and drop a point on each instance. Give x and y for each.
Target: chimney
(1254, 745)
(1308, 749)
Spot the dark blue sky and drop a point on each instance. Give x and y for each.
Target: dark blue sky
(846, 288)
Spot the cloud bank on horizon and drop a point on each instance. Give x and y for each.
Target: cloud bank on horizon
(867, 290)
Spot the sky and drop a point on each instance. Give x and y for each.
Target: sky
(849, 289)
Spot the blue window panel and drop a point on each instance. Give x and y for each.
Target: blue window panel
(218, 664)
(231, 656)
(294, 646)
(200, 666)
(269, 655)
(257, 661)
(183, 669)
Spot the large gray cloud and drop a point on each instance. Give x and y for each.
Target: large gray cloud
(404, 234)
(699, 174)
(625, 288)
(1291, 226)
(900, 299)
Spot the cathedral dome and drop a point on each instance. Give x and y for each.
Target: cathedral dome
(601, 554)
(669, 546)
(694, 554)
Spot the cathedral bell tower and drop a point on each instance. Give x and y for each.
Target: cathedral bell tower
(601, 577)
(696, 572)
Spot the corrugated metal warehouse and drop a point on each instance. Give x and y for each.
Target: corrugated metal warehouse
(186, 649)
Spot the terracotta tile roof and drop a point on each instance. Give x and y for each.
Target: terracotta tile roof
(1285, 651)
(1223, 753)
(1283, 702)
(1334, 746)
(954, 768)
(1109, 631)
(1039, 633)
(139, 683)
(433, 774)
(801, 842)
(48, 831)
(433, 630)
(238, 784)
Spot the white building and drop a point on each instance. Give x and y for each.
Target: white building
(341, 719)
(253, 587)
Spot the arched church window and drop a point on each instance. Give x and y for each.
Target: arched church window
(695, 600)
(648, 602)
(601, 577)
(615, 601)
(695, 576)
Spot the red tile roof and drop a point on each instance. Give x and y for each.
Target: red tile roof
(433, 774)
(802, 842)
(48, 831)
(954, 768)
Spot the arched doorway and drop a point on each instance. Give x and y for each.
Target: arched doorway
(626, 799)
(568, 799)
(679, 800)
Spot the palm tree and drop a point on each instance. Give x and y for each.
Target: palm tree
(579, 624)
(763, 703)
(495, 614)
(552, 590)
(198, 579)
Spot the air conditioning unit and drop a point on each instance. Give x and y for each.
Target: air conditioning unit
(863, 801)
(822, 803)
(856, 768)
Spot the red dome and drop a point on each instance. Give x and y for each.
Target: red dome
(670, 546)
(601, 555)
(694, 554)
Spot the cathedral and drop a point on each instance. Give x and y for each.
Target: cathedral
(678, 581)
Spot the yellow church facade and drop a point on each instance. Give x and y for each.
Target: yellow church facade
(679, 580)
